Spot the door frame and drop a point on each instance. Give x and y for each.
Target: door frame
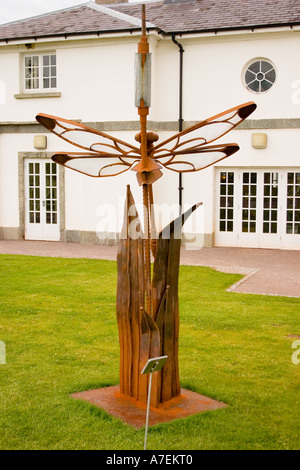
(21, 176)
(233, 238)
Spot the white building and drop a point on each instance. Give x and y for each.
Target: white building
(78, 64)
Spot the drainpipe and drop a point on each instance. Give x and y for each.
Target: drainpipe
(180, 119)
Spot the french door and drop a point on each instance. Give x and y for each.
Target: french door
(41, 200)
(258, 208)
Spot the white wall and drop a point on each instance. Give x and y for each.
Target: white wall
(10, 145)
(96, 81)
(213, 74)
(92, 201)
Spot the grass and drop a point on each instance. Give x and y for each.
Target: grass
(57, 319)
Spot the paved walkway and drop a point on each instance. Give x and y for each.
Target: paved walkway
(270, 272)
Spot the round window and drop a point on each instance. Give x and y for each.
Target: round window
(259, 76)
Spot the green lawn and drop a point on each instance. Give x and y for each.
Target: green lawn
(57, 319)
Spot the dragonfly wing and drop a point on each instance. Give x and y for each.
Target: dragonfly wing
(86, 137)
(92, 164)
(206, 131)
(186, 161)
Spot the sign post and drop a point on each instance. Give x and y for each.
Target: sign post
(153, 365)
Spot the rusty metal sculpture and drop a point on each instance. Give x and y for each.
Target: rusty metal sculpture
(147, 309)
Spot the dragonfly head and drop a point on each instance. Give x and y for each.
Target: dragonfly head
(151, 137)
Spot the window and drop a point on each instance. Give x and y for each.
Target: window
(40, 72)
(249, 202)
(259, 76)
(270, 211)
(293, 203)
(226, 201)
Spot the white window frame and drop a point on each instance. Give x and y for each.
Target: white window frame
(40, 68)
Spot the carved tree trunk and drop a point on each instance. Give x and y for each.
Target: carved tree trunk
(140, 335)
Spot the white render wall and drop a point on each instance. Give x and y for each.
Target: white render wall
(213, 74)
(96, 84)
(96, 81)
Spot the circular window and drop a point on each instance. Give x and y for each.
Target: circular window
(259, 76)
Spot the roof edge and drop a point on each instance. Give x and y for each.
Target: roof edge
(118, 15)
(253, 28)
(54, 37)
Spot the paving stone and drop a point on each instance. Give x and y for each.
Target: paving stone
(269, 272)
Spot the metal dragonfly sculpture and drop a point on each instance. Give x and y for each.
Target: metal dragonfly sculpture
(103, 155)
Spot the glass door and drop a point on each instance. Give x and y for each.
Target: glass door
(258, 208)
(291, 204)
(41, 200)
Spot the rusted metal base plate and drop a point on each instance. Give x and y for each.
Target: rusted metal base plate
(134, 413)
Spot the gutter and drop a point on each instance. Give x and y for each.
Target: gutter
(180, 118)
(71, 36)
(265, 28)
(275, 28)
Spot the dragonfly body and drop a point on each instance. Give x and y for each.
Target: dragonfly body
(148, 170)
